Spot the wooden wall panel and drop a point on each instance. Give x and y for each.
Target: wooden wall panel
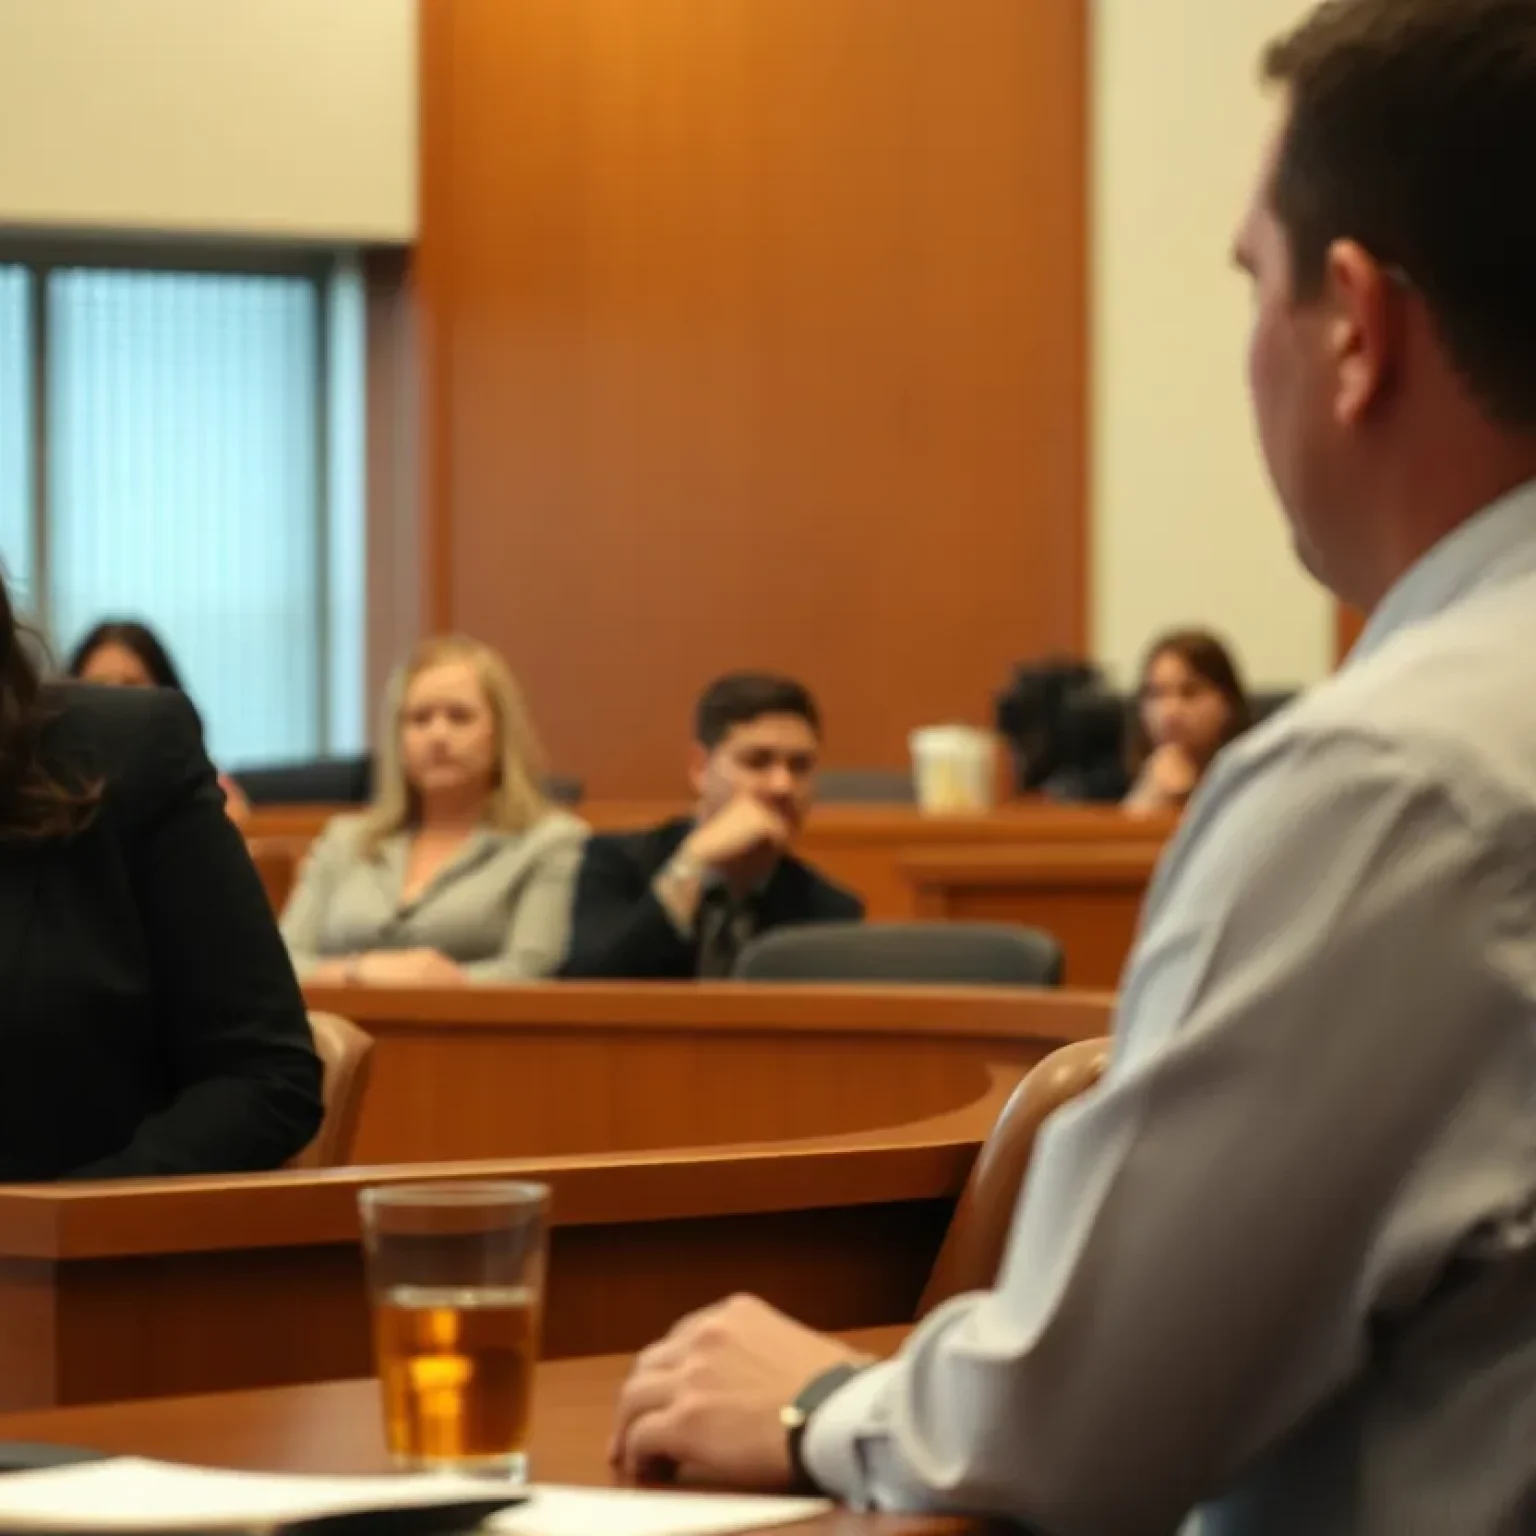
(1347, 626)
(754, 335)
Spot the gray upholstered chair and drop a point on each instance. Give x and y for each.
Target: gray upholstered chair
(865, 786)
(970, 954)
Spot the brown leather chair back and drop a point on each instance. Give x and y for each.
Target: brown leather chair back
(972, 1251)
(345, 1053)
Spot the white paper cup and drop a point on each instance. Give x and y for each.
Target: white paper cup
(954, 767)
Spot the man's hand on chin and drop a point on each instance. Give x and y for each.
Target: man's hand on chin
(703, 1404)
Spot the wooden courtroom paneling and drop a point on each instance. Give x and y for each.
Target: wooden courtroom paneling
(860, 846)
(867, 848)
(1348, 624)
(1089, 896)
(301, 824)
(574, 1069)
(754, 335)
(154, 1287)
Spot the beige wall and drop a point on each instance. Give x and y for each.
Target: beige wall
(283, 118)
(1185, 527)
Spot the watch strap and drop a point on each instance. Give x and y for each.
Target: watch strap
(796, 1416)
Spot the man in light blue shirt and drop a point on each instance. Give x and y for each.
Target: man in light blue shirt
(1281, 1267)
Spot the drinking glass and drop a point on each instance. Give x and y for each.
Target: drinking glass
(456, 1279)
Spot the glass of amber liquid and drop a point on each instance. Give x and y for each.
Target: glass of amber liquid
(456, 1275)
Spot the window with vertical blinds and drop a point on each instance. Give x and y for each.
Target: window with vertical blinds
(16, 431)
(202, 449)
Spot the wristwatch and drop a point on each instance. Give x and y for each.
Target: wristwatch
(682, 868)
(796, 1417)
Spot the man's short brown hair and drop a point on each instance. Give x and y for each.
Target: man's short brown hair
(1412, 130)
(739, 698)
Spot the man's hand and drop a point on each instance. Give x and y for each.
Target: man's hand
(704, 1403)
(744, 836)
(408, 968)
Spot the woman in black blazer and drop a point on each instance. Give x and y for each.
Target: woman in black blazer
(150, 1022)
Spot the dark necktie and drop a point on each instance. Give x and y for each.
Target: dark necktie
(720, 933)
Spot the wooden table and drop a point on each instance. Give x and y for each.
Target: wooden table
(573, 1069)
(861, 846)
(334, 1427)
(161, 1287)
(1088, 895)
(154, 1287)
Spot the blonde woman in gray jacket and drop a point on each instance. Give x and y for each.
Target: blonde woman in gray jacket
(461, 871)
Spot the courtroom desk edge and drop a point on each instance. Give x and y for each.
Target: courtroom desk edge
(724, 1007)
(1078, 865)
(132, 1217)
(336, 1427)
(1009, 826)
(836, 823)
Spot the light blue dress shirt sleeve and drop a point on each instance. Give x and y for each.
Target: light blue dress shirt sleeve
(1320, 1085)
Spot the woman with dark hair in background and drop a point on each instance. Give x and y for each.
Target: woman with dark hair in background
(1190, 702)
(153, 1024)
(123, 653)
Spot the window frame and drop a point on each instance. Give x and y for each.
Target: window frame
(319, 265)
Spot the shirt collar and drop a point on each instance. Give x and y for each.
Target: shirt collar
(1495, 544)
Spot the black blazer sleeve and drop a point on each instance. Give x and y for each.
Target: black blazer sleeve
(835, 905)
(246, 1083)
(799, 894)
(618, 927)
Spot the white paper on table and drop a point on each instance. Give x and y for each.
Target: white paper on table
(129, 1494)
(558, 1511)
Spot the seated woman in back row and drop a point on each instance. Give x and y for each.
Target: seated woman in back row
(123, 653)
(1190, 703)
(461, 871)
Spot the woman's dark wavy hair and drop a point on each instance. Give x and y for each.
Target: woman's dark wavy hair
(132, 636)
(1210, 661)
(35, 802)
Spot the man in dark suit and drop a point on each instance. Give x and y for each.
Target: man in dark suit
(683, 898)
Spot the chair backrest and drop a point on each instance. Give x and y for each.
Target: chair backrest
(867, 786)
(348, 781)
(345, 1053)
(972, 1251)
(968, 954)
(564, 790)
(1268, 704)
(315, 781)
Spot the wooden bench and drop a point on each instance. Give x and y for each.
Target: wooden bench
(1089, 895)
(863, 847)
(552, 1070)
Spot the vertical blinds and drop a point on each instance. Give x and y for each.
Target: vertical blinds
(16, 431)
(204, 450)
(182, 483)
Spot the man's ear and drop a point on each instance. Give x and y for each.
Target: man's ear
(1364, 330)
